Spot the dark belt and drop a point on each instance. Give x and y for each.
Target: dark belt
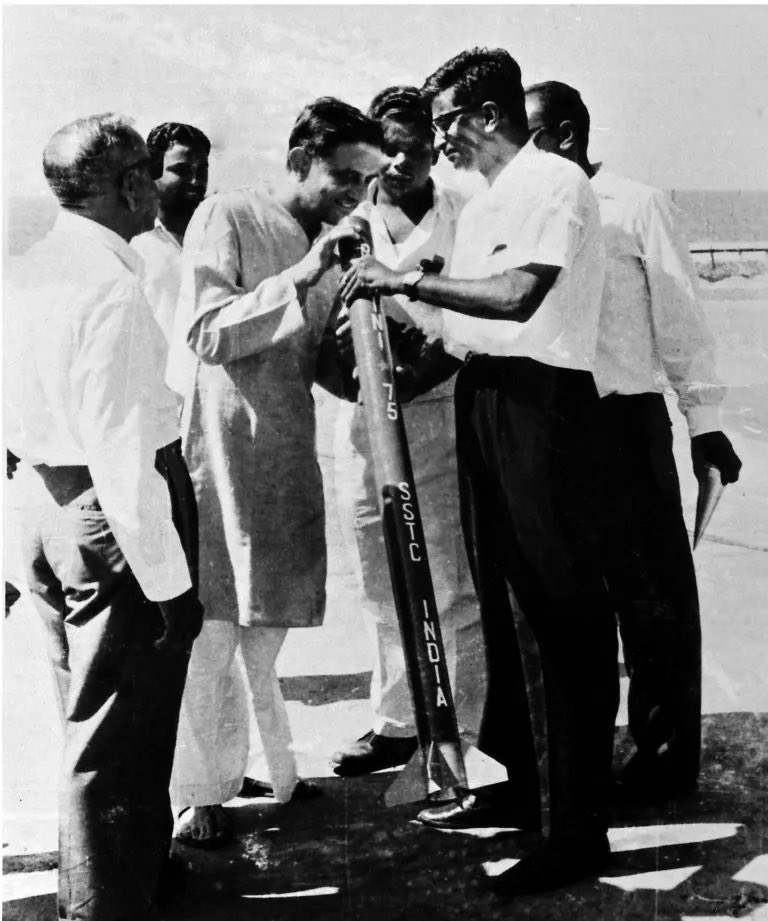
(68, 483)
(65, 484)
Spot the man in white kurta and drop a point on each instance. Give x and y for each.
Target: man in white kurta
(260, 301)
(402, 242)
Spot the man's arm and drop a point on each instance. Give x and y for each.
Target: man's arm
(683, 343)
(515, 294)
(117, 379)
(224, 321)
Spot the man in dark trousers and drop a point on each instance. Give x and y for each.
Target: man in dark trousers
(110, 512)
(651, 332)
(521, 300)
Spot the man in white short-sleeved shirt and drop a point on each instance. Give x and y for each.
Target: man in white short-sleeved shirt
(179, 154)
(521, 305)
(652, 332)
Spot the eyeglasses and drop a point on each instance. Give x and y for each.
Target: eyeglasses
(442, 124)
(153, 167)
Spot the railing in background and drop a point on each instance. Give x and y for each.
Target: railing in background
(738, 248)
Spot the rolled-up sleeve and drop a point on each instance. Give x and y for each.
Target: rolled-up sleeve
(685, 346)
(117, 376)
(226, 322)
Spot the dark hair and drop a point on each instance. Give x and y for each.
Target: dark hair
(87, 153)
(559, 103)
(406, 105)
(166, 135)
(481, 75)
(326, 123)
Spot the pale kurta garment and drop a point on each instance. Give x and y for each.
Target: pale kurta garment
(249, 431)
(249, 417)
(431, 436)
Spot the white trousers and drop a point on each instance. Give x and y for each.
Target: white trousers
(465, 657)
(213, 739)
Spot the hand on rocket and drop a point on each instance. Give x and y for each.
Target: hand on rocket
(714, 449)
(370, 274)
(317, 261)
(407, 383)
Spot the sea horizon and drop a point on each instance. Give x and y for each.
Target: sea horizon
(711, 216)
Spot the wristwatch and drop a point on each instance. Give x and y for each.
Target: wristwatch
(410, 282)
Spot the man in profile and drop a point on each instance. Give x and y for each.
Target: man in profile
(104, 542)
(521, 303)
(259, 298)
(651, 328)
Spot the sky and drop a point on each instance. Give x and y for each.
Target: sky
(678, 94)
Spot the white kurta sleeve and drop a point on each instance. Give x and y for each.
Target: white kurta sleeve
(228, 322)
(117, 378)
(684, 345)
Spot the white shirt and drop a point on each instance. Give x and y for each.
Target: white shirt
(540, 209)
(161, 253)
(652, 326)
(84, 386)
(432, 236)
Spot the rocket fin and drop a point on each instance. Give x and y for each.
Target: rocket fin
(482, 770)
(410, 785)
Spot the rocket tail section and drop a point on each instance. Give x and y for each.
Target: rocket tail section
(431, 774)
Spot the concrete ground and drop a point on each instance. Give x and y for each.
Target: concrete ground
(345, 857)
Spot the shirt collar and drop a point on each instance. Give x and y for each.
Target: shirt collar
(70, 223)
(528, 150)
(166, 234)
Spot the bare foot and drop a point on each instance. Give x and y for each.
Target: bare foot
(203, 826)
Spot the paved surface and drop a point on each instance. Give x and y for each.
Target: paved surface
(346, 857)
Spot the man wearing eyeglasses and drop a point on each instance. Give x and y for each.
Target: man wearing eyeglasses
(94, 426)
(522, 300)
(651, 328)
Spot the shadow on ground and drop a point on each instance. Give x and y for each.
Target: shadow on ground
(346, 857)
(317, 690)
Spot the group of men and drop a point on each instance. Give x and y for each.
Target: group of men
(555, 297)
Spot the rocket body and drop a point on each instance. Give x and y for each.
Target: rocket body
(440, 748)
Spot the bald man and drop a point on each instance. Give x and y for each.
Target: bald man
(109, 524)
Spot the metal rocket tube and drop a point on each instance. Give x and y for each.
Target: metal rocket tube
(435, 716)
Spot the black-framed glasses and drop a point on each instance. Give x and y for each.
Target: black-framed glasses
(153, 167)
(442, 124)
